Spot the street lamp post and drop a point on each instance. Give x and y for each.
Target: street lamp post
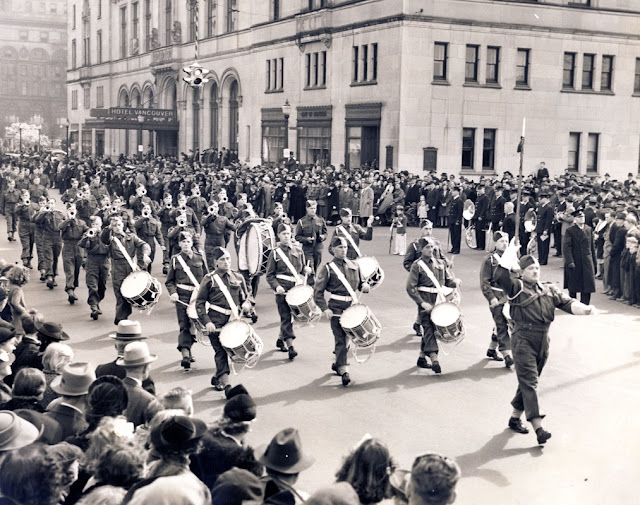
(286, 110)
(39, 143)
(20, 133)
(140, 122)
(64, 123)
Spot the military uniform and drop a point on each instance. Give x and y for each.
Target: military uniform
(311, 231)
(149, 229)
(490, 290)
(97, 269)
(215, 227)
(9, 201)
(71, 230)
(26, 230)
(49, 225)
(455, 224)
(357, 233)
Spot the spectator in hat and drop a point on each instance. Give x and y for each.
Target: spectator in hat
(8, 339)
(283, 459)
(543, 228)
(73, 386)
(5, 370)
(618, 243)
(367, 468)
(15, 433)
(27, 391)
(18, 276)
(137, 360)
(454, 213)
(433, 480)
(223, 446)
(169, 480)
(579, 254)
(340, 493)
(54, 359)
(311, 231)
(509, 222)
(237, 487)
(127, 332)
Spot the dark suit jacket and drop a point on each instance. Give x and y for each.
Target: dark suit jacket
(509, 225)
(545, 218)
(482, 207)
(70, 421)
(455, 211)
(119, 371)
(139, 400)
(578, 249)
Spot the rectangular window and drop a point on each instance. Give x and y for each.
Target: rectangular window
(468, 143)
(374, 62)
(123, 32)
(606, 79)
(356, 62)
(134, 20)
(317, 4)
(574, 151)
(211, 18)
(167, 22)
(73, 17)
(192, 22)
(493, 64)
(100, 96)
(314, 144)
(522, 67)
(316, 69)
(275, 10)
(592, 153)
(275, 74)
(87, 98)
(99, 45)
(74, 99)
(232, 15)
(268, 75)
(471, 64)
(86, 42)
(587, 71)
(365, 63)
(568, 70)
(364, 55)
(73, 54)
(586, 3)
(272, 142)
(636, 81)
(24, 35)
(99, 9)
(488, 150)
(147, 25)
(440, 50)
(44, 36)
(281, 74)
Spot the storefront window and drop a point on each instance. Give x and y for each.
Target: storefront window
(354, 145)
(86, 143)
(314, 145)
(272, 143)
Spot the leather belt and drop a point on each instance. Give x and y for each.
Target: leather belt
(186, 287)
(226, 312)
(340, 298)
(427, 290)
(289, 278)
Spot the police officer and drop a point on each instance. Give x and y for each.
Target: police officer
(532, 309)
(10, 198)
(340, 298)
(215, 288)
(311, 231)
(424, 292)
(286, 263)
(186, 270)
(496, 297)
(117, 239)
(97, 265)
(71, 230)
(352, 232)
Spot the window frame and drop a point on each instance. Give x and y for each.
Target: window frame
(569, 72)
(442, 77)
(606, 78)
(576, 155)
(636, 81)
(123, 32)
(74, 54)
(474, 64)
(527, 54)
(588, 72)
(99, 46)
(489, 151)
(493, 67)
(592, 164)
(467, 149)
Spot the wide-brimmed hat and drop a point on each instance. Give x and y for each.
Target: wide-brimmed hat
(236, 486)
(7, 333)
(53, 331)
(136, 354)
(175, 432)
(128, 330)
(284, 453)
(74, 380)
(15, 432)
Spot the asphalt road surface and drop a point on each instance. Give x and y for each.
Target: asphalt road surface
(589, 388)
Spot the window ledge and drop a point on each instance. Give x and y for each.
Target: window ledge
(310, 88)
(586, 92)
(440, 82)
(522, 87)
(269, 91)
(363, 83)
(478, 85)
(636, 93)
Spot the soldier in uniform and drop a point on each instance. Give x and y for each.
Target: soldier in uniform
(10, 198)
(340, 298)
(26, 211)
(184, 209)
(215, 288)
(311, 231)
(284, 267)
(186, 270)
(48, 220)
(148, 228)
(166, 221)
(352, 232)
(196, 202)
(480, 217)
(533, 307)
(72, 230)
(97, 265)
(215, 227)
(424, 292)
(455, 220)
(115, 236)
(543, 228)
(496, 297)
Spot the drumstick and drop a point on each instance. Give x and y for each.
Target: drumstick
(306, 274)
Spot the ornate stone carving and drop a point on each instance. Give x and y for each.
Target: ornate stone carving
(155, 43)
(176, 33)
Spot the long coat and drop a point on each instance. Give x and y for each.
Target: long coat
(366, 202)
(578, 248)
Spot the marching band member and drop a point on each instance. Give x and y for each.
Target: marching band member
(496, 297)
(166, 221)
(149, 229)
(352, 232)
(341, 277)
(182, 224)
(86, 204)
(278, 216)
(10, 198)
(533, 307)
(184, 209)
(26, 211)
(196, 202)
(226, 293)
(215, 227)
(286, 263)
(97, 265)
(71, 229)
(425, 276)
(311, 231)
(71, 194)
(49, 220)
(138, 201)
(186, 270)
(123, 247)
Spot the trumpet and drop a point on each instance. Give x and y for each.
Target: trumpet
(183, 207)
(142, 191)
(91, 232)
(182, 221)
(26, 202)
(168, 205)
(47, 208)
(146, 213)
(72, 214)
(114, 209)
(211, 209)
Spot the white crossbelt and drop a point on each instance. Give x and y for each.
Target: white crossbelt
(344, 282)
(432, 278)
(222, 310)
(340, 298)
(188, 271)
(289, 278)
(124, 252)
(348, 236)
(186, 287)
(227, 295)
(287, 262)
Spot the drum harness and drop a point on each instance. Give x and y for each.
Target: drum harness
(354, 298)
(287, 262)
(202, 339)
(348, 236)
(438, 289)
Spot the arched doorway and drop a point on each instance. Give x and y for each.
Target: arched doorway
(123, 101)
(136, 101)
(167, 141)
(213, 102)
(233, 116)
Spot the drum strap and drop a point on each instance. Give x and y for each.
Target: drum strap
(227, 295)
(344, 281)
(432, 278)
(287, 262)
(188, 271)
(348, 236)
(124, 252)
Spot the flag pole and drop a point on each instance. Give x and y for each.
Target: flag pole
(521, 151)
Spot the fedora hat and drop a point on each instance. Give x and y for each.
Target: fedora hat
(53, 331)
(15, 432)
(136, 354)
(128, 330)
(74, 380)
(284, 453)
(175, 432)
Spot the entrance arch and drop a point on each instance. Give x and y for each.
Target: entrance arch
(230, 100)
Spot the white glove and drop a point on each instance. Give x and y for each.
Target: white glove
(174, 297)
(280, 290)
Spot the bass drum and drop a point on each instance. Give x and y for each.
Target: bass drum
(260, 240)
(141, 290)
(371, 270)
(470, 237)
(242, 343)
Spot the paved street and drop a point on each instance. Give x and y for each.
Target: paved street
(588, 389)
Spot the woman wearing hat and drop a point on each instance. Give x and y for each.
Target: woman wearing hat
(18, 276)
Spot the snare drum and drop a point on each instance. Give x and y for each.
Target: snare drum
(371, 271)
(447, 319)
(303, 308)
(259, 243)
(242, 343)
(141, 290)
(359, 323)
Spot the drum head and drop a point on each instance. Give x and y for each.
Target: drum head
(135, 284)
(354, 315)
(445, 314)
(254, 248)
(234, 334)
(368, 265)
(298, 295)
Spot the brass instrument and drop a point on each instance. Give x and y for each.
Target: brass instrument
(142, 191)
(91, 232)
(182, 221)
(114, 209)
(47, 208)
(211, 209)
(168, 206)
(146, 213)
(72, 213)
(26, 202)
(183, 207)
